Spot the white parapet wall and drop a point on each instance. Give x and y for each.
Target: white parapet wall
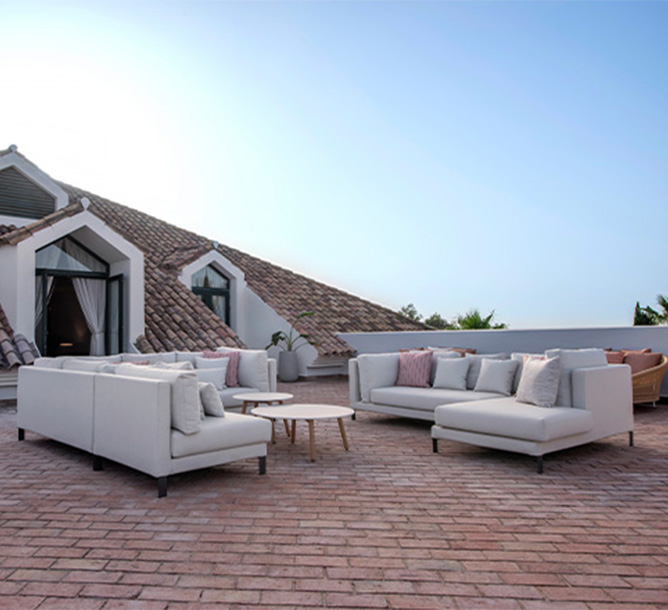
(491, 341)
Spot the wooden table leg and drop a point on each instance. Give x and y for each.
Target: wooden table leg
(273, 433)
(294, 431)
(244, 404)
(311, 436)
(343, 433)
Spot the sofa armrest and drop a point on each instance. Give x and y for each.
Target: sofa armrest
(606, 391)
(271, 372)
(354, 382)
(57, 404)
(132, 423)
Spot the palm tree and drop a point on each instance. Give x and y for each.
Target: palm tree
(646, 316)
(474, 321)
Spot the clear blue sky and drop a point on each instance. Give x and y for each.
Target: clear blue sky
(500, 155)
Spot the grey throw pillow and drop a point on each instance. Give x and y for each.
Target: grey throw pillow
(211, 401)
(496, 376)
(451, 373)
(540, 382)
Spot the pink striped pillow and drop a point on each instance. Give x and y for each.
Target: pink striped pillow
(232, 375)
(414, 369)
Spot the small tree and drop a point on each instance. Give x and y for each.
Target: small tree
(410, 311)
(436, 320)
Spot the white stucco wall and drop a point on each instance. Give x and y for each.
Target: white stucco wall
(263, 323)
(491, 341)
(237, 278)
(17, 271)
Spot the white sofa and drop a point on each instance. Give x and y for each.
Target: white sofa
(372, 379)
(594, 401)
(131, 420)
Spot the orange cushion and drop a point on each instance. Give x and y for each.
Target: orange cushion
(615, 357)
(642, 362)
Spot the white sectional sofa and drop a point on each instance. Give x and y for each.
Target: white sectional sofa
(593, 401)
(153, 423)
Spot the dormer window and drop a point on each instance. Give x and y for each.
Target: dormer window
(213, 288)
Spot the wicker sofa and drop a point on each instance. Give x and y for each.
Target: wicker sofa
(647, 383)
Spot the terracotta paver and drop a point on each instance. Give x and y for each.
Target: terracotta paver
(388, 524)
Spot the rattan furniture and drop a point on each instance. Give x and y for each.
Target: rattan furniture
(647, 383)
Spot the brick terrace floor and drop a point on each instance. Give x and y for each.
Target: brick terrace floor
(387, 525)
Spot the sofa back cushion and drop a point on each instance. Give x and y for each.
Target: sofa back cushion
(414, 369)
(212, 404)
(252, 371)
(89, 365)
(642, 361)
(376, 371)
(151, 358)
(451, 373)
(574, 359)
(184, 392)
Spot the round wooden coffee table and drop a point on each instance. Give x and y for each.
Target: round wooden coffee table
(308, 413)
(255, 399)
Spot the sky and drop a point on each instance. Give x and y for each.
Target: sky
(500, 155)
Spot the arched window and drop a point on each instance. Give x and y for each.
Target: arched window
(213, 288)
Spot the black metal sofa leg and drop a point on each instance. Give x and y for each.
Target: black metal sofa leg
(631, 440)
(22, 434)
(539, 464)
(98, 464)
(434, 445)
(262, 464)
(162, 487)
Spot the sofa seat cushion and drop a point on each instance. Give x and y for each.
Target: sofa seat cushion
(509, 418)
(218, 433)
(424, 398)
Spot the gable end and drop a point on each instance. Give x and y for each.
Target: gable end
(20, 197)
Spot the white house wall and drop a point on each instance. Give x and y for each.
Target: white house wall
(237, 278)
(263, 323)
(91, 231)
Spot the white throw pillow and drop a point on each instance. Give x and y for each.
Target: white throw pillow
(520, 357)
(253, 368)
(496, 376)
(474, 368)
(540, 382)
(451, 373)
(441, 355)
(377, 371)
(574, 359)
(211, 401)
(214, 375)
(184, 391)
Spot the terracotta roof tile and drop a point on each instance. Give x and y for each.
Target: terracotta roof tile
(15, 349)
(176, 319)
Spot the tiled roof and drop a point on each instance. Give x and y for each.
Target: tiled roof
(177, 319)
(15, 349)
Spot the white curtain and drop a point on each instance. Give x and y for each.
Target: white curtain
(92, 295)
(40, 305)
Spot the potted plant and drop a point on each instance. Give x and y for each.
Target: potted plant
(289, 343)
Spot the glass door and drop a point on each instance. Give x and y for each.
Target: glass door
(114, 335)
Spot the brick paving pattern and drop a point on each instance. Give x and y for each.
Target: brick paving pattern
(387, 525)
